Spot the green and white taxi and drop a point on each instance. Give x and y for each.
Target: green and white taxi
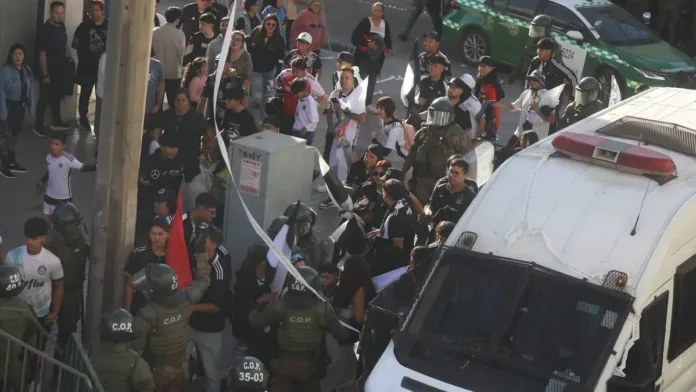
(597, 39)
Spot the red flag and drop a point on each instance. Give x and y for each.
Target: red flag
(177, 252)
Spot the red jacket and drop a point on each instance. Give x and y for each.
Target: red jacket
(490, 93)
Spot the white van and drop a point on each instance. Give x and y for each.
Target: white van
(573, 270)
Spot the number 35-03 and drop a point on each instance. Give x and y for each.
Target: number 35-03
(246, 376)
(568, 54)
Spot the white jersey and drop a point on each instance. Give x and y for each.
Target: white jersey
(59, 171)
(38, 273)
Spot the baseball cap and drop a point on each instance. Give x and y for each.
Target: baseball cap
(165, 195)
(486, 60)
(432, 34)
(306, 37)
(346, 57)
(468, 80)
(457, 82)
(438, 60)
(393, 174)
(546, 43)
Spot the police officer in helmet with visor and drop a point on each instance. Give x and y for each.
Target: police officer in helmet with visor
(163, 324)
(120, 368)
(17, 318)
(539, 28)
(586, 102)
(250, 375)
(67, 240)
(299, 361)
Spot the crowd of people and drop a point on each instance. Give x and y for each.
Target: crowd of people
(409, 188)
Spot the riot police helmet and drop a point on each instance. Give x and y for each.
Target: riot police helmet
(310, 275)
(276, 225)
(587, 90)
(67, 221)
(11, 281)
(306, 218)
(540, 26)
(249, 374)
(117, 326)
(161, 279)
(440, 112)
(537, 76)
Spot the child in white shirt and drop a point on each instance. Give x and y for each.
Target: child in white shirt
(307, 112)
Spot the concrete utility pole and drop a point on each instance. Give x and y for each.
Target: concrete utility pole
(123, 112)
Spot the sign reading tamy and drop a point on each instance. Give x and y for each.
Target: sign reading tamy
(250, 177)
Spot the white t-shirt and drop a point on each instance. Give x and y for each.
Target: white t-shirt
(59, 172)
(394, 134)
(381, 29)
(306, 114)
(523, 104)
(38, 273)
(348, 131)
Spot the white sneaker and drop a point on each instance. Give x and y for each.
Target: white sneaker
(321, 188)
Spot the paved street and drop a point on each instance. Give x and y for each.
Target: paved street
(21, 201)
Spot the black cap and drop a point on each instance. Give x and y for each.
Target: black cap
(546, 43)
(234, 93)
(162, 223)
(393, 174)
(487, 60)
(346, 57)
(438, 60)
(458, 82)
(432, 34)
(165, 195)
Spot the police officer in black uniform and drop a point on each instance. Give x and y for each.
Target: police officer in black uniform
(250, 375)
(68, 241)
(540, 27)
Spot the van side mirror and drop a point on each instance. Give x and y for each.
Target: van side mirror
(647, 17)
(575, 35)
(640, 371)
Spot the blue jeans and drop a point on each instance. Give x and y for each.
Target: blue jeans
(309, 136)
(260, 88)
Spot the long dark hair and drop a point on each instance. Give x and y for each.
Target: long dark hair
(356, 274)
(12, 49)
(192, 71)
(260, 32)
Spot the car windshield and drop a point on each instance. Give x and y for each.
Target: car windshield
(616, 26)
(525, 327)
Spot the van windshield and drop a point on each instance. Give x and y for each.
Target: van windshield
(488, 320)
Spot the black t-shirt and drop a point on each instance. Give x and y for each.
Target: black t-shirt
(239, 124)
(218, 294)
(189, 129)
(200, 46)
(162, 173)
(450, 206)
(313, 61)
(139, 259)
(462, 117)
(95, 34)
(190, 16)
(430, 89)
(398, 223)
(209, 92)
(53, 39)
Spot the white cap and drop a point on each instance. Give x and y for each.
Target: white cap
(468, 80)
(306, 37)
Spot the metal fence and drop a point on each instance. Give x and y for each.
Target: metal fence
(24, 367)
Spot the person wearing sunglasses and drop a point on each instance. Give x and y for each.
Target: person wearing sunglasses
(267, 50)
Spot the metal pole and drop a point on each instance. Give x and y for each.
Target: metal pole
(123, 112)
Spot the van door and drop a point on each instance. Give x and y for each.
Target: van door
(680, 372)
(646, 357)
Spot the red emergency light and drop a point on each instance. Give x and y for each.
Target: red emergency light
(614, 154)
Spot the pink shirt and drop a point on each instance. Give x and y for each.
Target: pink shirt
(196, 88)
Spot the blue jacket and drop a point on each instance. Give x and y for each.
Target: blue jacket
(11, 88)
